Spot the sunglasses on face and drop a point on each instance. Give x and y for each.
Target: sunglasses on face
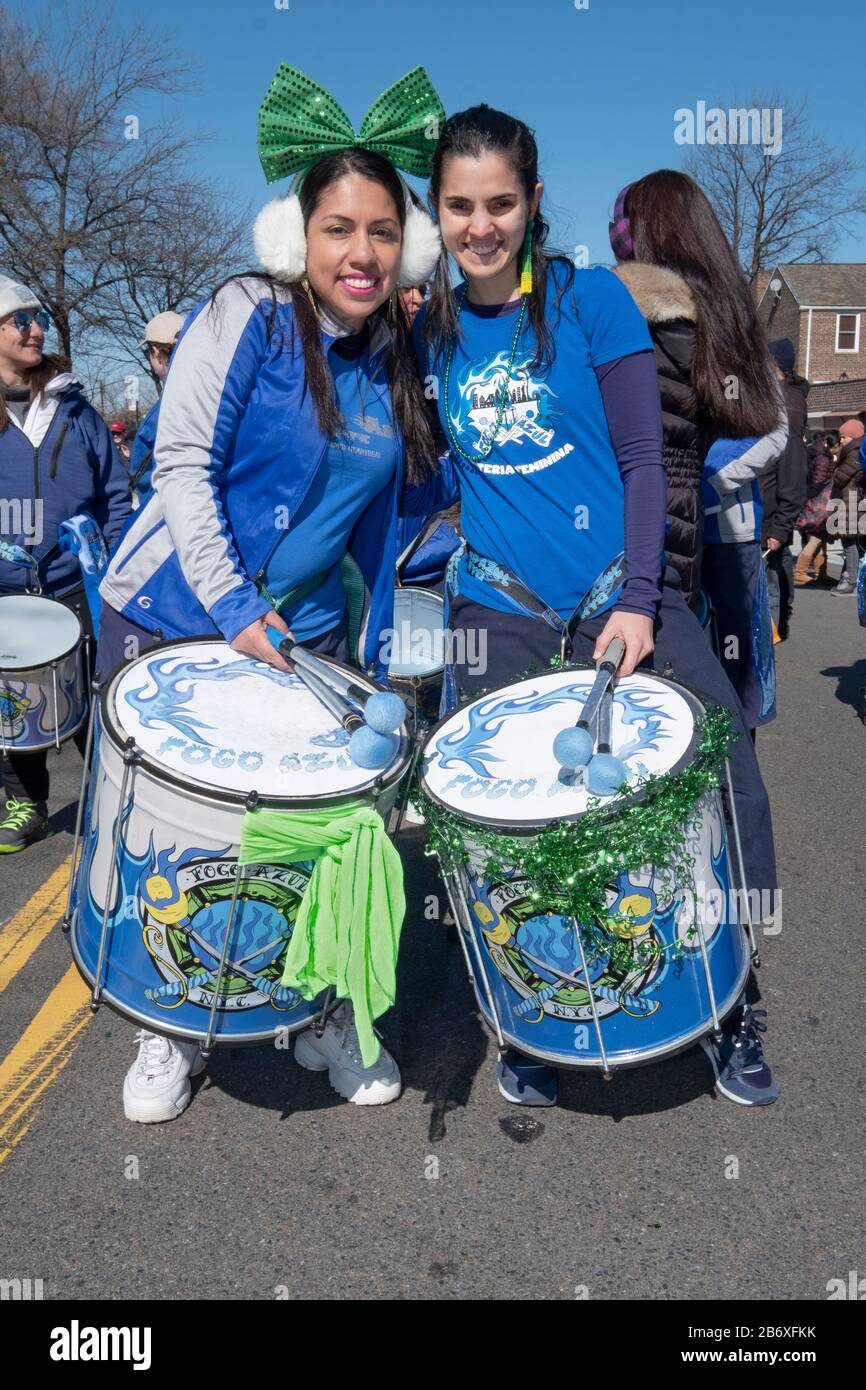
(22, 319)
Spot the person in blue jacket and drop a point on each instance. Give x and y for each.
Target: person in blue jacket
(57, 457)
(158, 343)
(291, 426)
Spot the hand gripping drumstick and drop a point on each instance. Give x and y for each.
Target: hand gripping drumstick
(367, 746)
(383, 711)
(574, 747)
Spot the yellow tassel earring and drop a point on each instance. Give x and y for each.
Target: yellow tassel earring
(526, 265)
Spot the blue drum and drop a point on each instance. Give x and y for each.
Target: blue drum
(636, 989)
(43, 677)
(187, 738)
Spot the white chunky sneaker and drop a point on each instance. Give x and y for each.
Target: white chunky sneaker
(338, 1052)
(156, 1087)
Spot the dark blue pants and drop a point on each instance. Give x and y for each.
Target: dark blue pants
(515, 643)
(24, 776)
(780, 583)
(736, 580)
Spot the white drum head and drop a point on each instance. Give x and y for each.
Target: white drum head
(35, 631)
(220, 722)
(492, 761)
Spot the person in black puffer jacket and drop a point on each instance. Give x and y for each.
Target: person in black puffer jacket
(668, 306)
(783, 489)
(844, 520)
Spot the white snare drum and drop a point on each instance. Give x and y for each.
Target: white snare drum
(190, 736)
(43, 676)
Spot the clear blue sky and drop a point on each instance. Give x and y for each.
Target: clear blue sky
(599, 86)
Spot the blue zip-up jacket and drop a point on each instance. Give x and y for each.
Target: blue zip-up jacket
(733, 509)
(75, 468)
(428, 561)
(141, 456)
(237, 447)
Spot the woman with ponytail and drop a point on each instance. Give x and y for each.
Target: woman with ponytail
(547, 395)
(291, 426)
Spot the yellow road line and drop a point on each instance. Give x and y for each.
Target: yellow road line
(39, 1056)
(24, 932)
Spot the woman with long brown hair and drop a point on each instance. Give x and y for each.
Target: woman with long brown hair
(291, 422)
(547, 394)
(726, 420)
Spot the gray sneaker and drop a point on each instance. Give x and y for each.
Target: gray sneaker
(338, 1052)
(845, 586)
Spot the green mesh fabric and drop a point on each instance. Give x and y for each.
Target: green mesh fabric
(300, 123)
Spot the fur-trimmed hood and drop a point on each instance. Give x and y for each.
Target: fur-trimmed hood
(661, 295)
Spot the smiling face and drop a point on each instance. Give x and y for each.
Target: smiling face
(483, 211)
(354, 241)
(19, 352)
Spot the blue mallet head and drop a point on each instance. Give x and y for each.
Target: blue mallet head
(385, 712)
(369, 749)
(572, 747)
(605, 774)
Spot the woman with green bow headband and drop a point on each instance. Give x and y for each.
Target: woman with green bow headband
(293, 431)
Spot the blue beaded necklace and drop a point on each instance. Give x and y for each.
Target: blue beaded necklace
(503, 393)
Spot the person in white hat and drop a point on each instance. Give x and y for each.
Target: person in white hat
(160, 336)
(57, 459)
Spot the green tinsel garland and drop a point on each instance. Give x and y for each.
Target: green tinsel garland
(574, 864)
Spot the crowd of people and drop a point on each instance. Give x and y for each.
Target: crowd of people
(694, 492)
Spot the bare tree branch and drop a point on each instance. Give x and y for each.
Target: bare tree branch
(789, 206)
(107, 230)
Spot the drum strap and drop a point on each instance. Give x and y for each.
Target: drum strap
(497, 576)
(301, 591)
(506, 583)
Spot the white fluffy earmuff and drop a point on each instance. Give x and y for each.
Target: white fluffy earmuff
(281, 244)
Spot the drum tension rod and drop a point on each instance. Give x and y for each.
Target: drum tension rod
(95, 689)
(130, 758)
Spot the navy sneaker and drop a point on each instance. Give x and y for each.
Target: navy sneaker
(523, 1081)
(742, 1074)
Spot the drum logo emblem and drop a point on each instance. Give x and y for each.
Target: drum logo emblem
(537, 951)
(185, 909)
(13, 708)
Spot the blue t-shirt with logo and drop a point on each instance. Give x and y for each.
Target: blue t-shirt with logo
(358, 464)
(547, 502)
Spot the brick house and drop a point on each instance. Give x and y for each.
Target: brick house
(822, 309)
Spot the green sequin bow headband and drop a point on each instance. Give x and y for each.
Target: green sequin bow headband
(300, 123)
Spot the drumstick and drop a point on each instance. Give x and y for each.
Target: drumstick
(573, 747)
(368, 747)
(382, 709)
(347, 717)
